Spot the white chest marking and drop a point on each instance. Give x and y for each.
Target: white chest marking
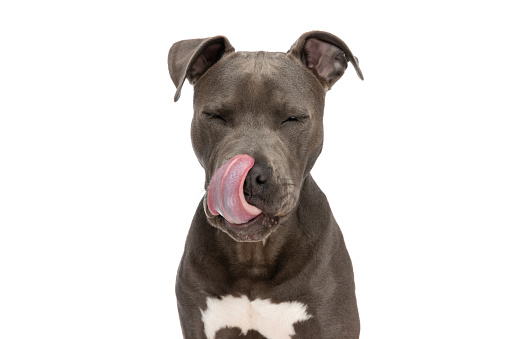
(274, 321)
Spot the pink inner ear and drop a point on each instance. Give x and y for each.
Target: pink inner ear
(207, 58)
(327, 59)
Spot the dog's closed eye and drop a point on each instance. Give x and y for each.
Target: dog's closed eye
(295, 118)
(214, 116)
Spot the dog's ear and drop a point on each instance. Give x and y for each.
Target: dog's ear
(192, 58)
(326, 55)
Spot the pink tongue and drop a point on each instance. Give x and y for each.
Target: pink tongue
(226, 191)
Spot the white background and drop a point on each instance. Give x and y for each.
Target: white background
(99, 182)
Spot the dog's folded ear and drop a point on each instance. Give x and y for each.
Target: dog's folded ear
(326, 55)
(192, 58)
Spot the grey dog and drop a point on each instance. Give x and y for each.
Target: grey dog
(264, 257)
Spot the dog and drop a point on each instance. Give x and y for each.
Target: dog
(264, 257)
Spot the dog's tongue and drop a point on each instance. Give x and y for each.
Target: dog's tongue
(226, 191)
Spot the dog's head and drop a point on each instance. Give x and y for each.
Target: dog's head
(257, 128)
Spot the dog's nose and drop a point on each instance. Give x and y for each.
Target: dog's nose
(257, 178)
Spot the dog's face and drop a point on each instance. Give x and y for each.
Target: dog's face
(268, 106)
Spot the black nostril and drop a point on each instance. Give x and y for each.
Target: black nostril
(257, 179)
(260, 173)
(262, 178)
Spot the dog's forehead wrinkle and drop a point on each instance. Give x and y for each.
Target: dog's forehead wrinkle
(258, 65)
(271, 65)
(223, 106)
(262, 97)
(290, 107)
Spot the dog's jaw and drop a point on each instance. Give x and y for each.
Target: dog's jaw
(256, 229)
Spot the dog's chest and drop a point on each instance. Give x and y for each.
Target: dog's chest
(272, 320)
